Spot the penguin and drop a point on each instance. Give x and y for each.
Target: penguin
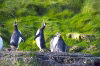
(40, 40)
(57, 44)
(1, 43)
(16, 38)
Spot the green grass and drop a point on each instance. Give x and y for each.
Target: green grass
(64, 16)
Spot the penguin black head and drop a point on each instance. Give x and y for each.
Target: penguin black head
(58, 34)
(43, 25)
(15, 24)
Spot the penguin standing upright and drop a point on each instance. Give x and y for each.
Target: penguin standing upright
(57, 44)
(16, 38)
(1, 43)
(40, 38)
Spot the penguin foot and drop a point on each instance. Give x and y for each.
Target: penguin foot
(41, 50)
(48, 50)
(7, 49)
(13, 48)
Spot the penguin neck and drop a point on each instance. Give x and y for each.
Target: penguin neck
(43, 27)
(58, 36)
(16, 28)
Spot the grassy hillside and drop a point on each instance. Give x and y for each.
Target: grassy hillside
(64, 16)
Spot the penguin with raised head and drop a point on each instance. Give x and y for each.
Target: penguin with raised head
(16, 38)
(1, 43)
(40, 40)
(57, 44)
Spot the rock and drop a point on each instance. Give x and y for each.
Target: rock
(73, 35)
(76, 48)
(79, 36)
(91, 48)
(28, 58)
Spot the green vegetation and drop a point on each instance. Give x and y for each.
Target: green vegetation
(64, 16)
(21, 59)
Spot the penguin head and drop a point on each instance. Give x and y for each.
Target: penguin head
(58, 34)
(43, 24)
(15, 23)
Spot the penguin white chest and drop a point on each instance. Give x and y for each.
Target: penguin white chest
(19, 40)
(55, 42)
(38, 41)
(1, 43)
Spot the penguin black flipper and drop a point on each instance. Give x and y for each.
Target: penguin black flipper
(61, 45)
(36, 36)
(22, 38)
